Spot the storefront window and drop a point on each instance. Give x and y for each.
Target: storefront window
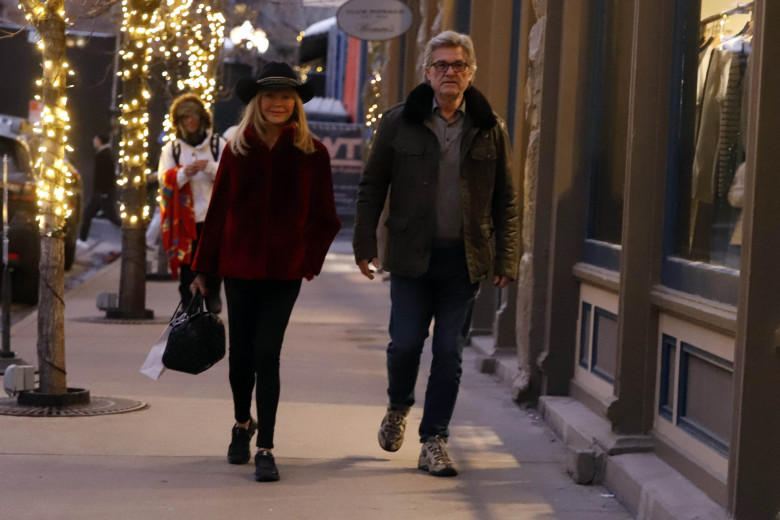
(706, 155)
(711, 180)
(609, 118)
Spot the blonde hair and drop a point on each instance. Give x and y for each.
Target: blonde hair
(253, 116)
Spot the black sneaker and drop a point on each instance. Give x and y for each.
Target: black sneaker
(435, 460)
(265, 467)
(391, 431)
(238, 451)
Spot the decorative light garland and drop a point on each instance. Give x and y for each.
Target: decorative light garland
(191, 34)
(54, 178)
(378, 62)
(303, 72)
(134, 118)
(372, 115)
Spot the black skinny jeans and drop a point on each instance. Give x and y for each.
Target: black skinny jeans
(258, 313)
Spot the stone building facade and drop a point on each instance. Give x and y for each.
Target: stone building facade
(643, 322)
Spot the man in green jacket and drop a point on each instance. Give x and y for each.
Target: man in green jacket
(453, 221)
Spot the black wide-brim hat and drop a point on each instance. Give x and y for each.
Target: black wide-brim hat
(273, 75)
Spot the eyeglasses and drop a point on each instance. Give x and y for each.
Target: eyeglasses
(443, 66)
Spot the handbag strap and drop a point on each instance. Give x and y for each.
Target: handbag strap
(196, 305)
(175, 312)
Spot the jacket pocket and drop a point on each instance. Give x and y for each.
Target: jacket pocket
(408, 147)
(396, 224)
(406, 253)
(482, 251)
(484, 153)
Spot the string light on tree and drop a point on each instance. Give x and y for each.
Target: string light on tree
(55, 180)
(189, 34)
(374, 91)
(303, 72)
(134, 118)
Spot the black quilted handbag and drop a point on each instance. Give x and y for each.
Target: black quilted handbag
(196, 340)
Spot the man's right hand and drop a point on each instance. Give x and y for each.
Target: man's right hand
(366, 269)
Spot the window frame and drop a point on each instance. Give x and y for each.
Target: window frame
(597, 252)
(710, 281)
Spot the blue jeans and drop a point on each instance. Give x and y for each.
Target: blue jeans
(446, 295)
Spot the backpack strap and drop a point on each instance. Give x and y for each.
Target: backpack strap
(215, 145)
(176, 149)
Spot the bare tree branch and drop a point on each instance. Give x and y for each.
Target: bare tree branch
(101, 8)
(10, 34)
(28, 5)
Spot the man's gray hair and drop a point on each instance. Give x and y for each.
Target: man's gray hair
(451, 39)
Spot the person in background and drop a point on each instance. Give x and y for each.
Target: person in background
(186, 172)
(103, 188)
(153, 228)
(270, 224)
(453, 221)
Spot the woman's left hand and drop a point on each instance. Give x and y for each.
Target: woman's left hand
(199, 284)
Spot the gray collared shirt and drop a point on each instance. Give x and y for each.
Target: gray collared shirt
(449, 217)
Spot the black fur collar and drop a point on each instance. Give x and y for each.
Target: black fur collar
(419, 105)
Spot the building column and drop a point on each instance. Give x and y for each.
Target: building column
(755, 448)
(569, 200)
(427, 22)
(643, 216)
(448, 10)
(538, 150)
(491, 30)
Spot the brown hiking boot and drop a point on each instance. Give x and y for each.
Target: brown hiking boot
(391, 432)
(435, 460)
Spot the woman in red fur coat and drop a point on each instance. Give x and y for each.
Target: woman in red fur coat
(270, 223)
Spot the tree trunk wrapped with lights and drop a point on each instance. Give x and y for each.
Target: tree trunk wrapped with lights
(53, 180)
(133, 155)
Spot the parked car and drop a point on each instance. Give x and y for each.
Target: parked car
(24, 243)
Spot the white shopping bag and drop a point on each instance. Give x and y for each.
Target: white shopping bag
(153, 366)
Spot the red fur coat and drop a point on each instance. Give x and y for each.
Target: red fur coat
(272, 213)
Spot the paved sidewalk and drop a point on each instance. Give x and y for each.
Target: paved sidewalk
(168, 461)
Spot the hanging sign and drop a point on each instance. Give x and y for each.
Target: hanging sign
(374, 19)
